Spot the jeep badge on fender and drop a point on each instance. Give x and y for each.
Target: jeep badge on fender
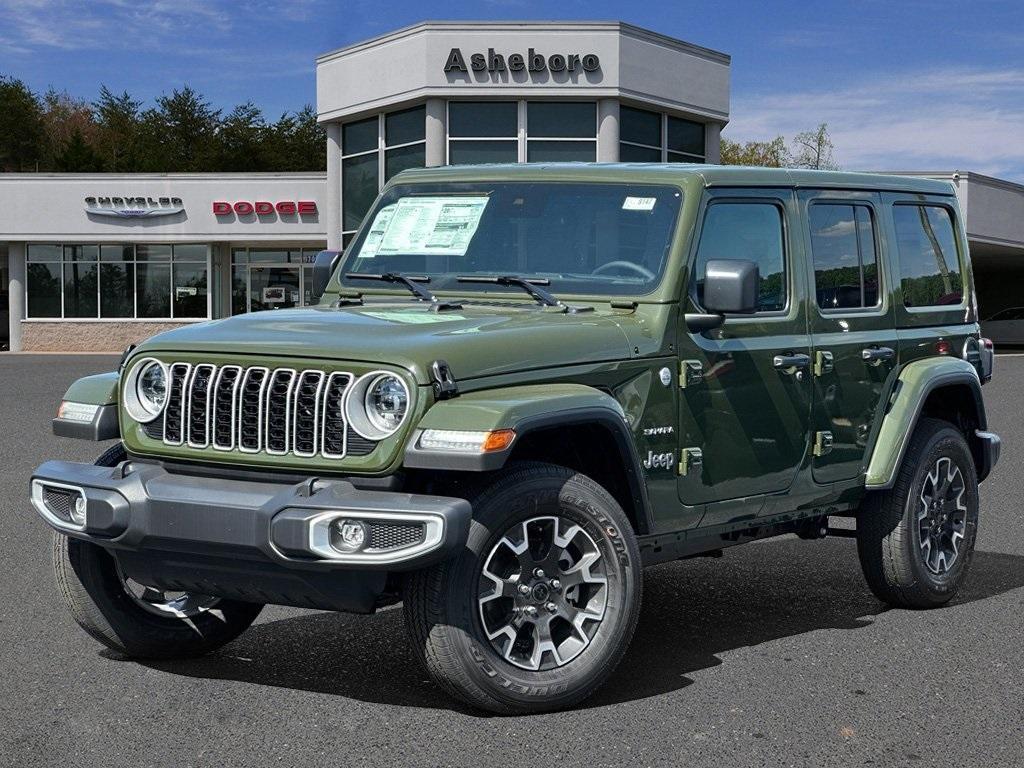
(523, 384)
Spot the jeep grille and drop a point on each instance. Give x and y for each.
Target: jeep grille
(279, 411)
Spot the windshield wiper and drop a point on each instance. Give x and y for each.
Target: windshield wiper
(412, 282)
(530, 285)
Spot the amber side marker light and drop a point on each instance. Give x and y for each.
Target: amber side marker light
(466, 441)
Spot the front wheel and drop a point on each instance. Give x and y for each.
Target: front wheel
(134, 619)
(540, 606)
(916, 540)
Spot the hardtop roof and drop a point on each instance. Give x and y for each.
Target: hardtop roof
(708, 175)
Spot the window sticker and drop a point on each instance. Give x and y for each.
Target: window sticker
(423, 226)
(639, 203)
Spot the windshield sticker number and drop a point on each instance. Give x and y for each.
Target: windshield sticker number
(421, 226)
(639, 203)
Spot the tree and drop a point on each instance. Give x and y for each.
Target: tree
(242, 138)
(180, 134)
(117, 131)
(21, 127)
(770, 154)
(813, 149)
(299, 141)
(77, 156)
(65, 118)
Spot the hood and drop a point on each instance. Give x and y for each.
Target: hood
(476, 341)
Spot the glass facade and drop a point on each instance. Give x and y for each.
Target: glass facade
(271, 278)
(653, 137)
(122, 281)
(376, 148)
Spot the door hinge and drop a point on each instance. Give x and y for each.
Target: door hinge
(692, 461)
(690, 372)
(823, 363)
(822, 443)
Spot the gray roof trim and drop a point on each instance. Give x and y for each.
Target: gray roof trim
(512, 26)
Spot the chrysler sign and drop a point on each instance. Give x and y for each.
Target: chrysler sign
(132, 207)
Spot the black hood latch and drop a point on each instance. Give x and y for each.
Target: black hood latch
(443, 381)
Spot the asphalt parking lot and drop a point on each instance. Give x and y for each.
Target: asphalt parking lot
(776, 654)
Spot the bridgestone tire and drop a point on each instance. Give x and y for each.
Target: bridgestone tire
(90, 585)
(442, 614)
(888, 532)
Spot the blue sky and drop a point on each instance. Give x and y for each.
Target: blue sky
(903, 84)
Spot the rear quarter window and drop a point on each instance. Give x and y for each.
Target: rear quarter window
(930, 264)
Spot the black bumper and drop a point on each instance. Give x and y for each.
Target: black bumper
(258, 541)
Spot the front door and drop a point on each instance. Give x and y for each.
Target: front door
(746, 404)
(852, 328)
(273, 287)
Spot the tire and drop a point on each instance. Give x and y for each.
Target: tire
(100, 601)
(449, 628)
(904, 565)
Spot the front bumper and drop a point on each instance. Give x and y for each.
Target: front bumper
(251, 540)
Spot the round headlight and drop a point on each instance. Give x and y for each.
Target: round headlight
(145, 390)
(386, 403)
(377, 405)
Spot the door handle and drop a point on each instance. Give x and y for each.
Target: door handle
(790, 363)
(876, 355)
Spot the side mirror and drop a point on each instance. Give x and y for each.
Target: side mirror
(731, 286)
(323, 268)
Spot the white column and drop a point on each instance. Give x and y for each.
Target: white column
(712, 143)
(608, 130)
(436, 132)
(16, 292)
(333, 197)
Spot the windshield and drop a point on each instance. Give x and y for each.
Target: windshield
(583, 238)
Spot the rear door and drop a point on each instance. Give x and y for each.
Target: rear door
(853, 335)
(746, 404)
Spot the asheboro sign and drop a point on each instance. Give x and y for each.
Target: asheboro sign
(518, 62)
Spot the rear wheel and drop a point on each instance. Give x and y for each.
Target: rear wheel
(540, 606)
(916, 540)
(135, 619)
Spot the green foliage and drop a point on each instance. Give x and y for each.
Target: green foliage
(809, 149)
(181, 132)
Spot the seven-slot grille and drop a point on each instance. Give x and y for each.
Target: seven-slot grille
(254, 409)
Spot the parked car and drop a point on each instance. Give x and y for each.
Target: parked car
(520, 386)
(1005, 327)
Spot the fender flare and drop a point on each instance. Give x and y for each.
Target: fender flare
(527, 409)
(915, 383)
(99, 390)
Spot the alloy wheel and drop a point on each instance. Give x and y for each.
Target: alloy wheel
(543, 593)
(942, 516)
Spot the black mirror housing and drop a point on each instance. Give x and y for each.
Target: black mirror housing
(323, 268)
(731, 286)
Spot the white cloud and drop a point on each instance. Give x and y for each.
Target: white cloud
(967, 118)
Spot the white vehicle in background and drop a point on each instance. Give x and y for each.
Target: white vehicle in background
(1005, 327)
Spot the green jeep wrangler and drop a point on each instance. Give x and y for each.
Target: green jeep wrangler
(521, 385)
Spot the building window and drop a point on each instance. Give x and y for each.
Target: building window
(652, 137)
(929, 258)
(374, 150)
(843, 249)
(483, 132)
(271, 278)
(124, 281)
(561, 131)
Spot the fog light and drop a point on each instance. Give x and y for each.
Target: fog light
(348, 535)
(77, 511)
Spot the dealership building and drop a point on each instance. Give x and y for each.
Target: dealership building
(93, 262)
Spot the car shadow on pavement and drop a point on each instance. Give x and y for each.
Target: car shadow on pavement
(693, 611)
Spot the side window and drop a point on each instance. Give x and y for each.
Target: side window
(843, 248)
(929, 263)
(750, 231)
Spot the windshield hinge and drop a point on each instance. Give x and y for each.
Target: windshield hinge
(443, 381)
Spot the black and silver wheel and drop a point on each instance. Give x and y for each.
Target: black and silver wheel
(135, 619)
(916, 539)
(540, 606)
